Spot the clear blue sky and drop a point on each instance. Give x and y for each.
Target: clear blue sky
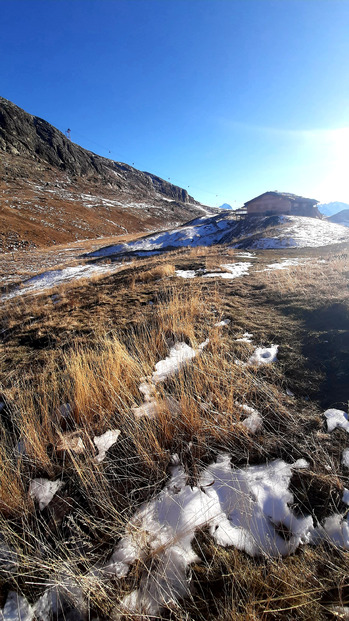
(229, 97)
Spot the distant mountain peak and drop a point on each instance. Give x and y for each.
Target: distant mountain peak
(330, 209)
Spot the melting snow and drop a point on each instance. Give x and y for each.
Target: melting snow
(186, 273)
(246, 255)
(246, 338)
(224, 322)
(105, 442)
(234, 270)
(283, 265)
(47, 280)
(336, 418)
(16, 608)
(247, 508)
(254, 421)
(203, 231)
(44, 490)
(264, 355)
(179, 355)
(8, 559)
(299, 232)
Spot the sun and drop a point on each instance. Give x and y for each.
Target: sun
(334, 184)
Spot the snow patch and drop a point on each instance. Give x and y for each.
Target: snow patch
(246, 338)
(224, 322)
(186, 273)
(234, 270)
(105, 442)
(16, 608)
(264, 355)
(336, 418)
(53, 278)
(43, 490)
(247, 508)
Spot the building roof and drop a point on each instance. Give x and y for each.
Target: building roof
(291, 197)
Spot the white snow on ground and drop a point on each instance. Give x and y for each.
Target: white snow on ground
(336, 418)
(246, 338)
(246, 255)
(290, 231)
(335, 528)
(204, 231)
(186, 273)
(47, 280)
(105, 442)
(234, 270)
(264, 355)
(301, 232)
(345, 498)
(246, 508)
(253, 422)
(179, 355)
(16, 608)
(44, 490)
(224, 322)
(283, 265)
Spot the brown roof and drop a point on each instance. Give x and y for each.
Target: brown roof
(292, 197)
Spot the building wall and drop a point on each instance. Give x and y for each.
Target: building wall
(304, 209)
(269, 205)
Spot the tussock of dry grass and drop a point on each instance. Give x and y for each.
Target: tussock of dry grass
(158, 272)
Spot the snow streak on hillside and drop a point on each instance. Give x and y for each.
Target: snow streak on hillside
(264, 232)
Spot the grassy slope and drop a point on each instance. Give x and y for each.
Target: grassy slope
(91, 346)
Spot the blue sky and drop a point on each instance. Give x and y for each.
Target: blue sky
(229, 97)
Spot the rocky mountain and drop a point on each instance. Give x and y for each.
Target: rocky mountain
(54, 191)
(330, 209)
(225, 206)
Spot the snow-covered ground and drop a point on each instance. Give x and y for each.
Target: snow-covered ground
(299, 232)
(286, 232)
(204, 231)
(53, 278)
(244, 507)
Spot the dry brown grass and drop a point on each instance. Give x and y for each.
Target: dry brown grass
(157, 273)
(98, 374)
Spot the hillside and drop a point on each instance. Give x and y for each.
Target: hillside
(342, 217)
(53, 191)
(262, 232)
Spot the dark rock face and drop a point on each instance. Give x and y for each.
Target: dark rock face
(24, 134)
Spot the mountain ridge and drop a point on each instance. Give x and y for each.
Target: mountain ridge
(55, 191)
(330, 209)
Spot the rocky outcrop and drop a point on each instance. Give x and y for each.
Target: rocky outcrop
(24, 134)
(53, 190)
